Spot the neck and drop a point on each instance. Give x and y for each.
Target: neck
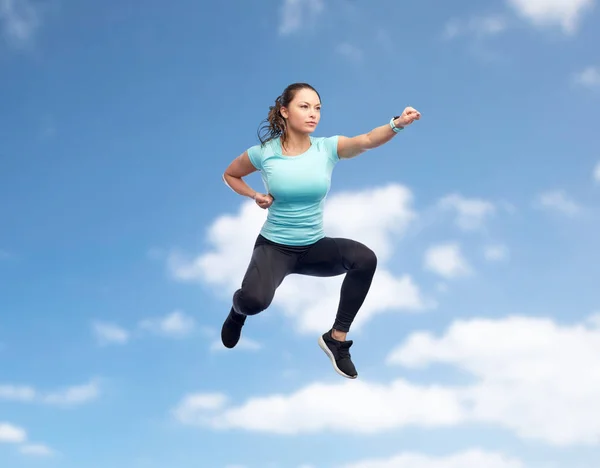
(296, 142)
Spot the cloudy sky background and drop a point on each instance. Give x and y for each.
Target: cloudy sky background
(120, 247)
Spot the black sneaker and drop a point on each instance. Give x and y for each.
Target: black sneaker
(232, 329)
(338, 352)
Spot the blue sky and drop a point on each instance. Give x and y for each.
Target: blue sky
(120, 246)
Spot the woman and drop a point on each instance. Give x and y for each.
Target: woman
(296, 170)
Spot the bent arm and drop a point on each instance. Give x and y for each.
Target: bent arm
(233, 175)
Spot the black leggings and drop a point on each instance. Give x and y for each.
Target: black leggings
(272, 262)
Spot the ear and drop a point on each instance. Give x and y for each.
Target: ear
(284, 112)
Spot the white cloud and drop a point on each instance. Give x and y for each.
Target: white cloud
(39, 450)
(231, 238)
(17, 393)
(565, 14)
(588, 77)
(194, 406)
(176, 324)
(322, 407)
(350, 51)
(75, 395)
(446, 260)
(471, 213)
(532, 376)
(108, 333)
(245, 344)
(304, 299)
(11, 434)
(495, 253)
(594, 319)
(480, 26)
(474, 458)
(597, 172)
(296, 14)
(68, 396)
(19, 20)
(377, 217)
(558, 201)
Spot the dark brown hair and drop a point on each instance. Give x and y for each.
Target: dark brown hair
(275, 125)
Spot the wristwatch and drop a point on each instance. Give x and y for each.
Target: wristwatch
(394, 128)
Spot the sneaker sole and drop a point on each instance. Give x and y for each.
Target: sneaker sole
(324, 347)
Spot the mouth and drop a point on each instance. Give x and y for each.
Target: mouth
(311, 123)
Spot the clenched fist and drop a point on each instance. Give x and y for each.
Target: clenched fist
(262, 200)
(408, 116)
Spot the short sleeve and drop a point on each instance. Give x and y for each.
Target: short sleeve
(255, 154)
(331, 144)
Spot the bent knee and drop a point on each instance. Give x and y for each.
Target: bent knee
(366, 259)
(251, 303)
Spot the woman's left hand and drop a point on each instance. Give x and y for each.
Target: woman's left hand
(408, 116)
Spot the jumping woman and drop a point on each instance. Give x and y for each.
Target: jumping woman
(296, 170)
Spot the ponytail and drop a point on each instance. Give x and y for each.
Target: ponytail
(275, 125)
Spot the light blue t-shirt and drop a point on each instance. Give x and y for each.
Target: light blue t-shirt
(299, 186)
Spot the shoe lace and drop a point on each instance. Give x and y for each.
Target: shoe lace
(344, 350)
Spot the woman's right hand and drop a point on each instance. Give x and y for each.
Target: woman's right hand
(264, 201)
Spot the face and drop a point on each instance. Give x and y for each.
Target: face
(304, 111)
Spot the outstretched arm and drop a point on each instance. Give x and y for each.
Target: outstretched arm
(349, 147)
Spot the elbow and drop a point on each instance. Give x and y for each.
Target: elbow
(226, 180)
(230, 180)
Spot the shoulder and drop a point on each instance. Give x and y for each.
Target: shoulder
(258, 153)
(328, 144)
